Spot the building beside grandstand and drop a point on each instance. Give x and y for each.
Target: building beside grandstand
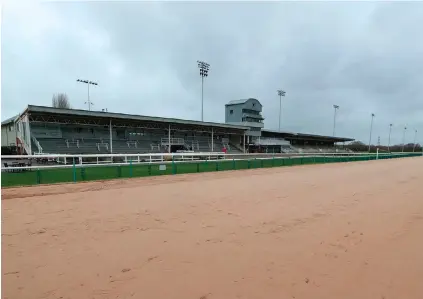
(48, 130)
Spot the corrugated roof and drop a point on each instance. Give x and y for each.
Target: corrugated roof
(338, 139)
(242, 101)
(281, 132)
(9, 120)
(234, 102)
(78, 112)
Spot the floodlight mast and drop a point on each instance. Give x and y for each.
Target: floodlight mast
(403, 138)
(371, 128)
(88, 82)
(414, 143)
(335, 107)
(281, 94)
(389, 138)
(204, 72)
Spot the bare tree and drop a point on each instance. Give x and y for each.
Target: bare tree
(60, 100)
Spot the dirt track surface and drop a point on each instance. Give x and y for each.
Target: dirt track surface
(350, 230)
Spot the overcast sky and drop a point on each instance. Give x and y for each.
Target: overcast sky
(365, 57)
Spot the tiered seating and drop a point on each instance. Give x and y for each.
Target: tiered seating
(233, 149)
(93, 141)
(66, 146)
(201, 143)
(289, 149)
(309, 149)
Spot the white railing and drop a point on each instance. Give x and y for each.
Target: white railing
(78, 160)
(37, 143)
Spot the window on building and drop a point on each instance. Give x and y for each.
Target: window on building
(231, 112)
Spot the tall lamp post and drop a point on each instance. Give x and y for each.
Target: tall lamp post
(389, 138)
(281, 94)
(371, 128)
(335, 107)
(88, 84)
(415, 136)
(204, 72)
(403, 138)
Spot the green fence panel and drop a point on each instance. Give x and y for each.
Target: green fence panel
(266, 163)
(141, 170)
(187, 167)
(294, 161)
(25, 178)
(83, 174)
(162, 169)
(207, 166)
(99, 173)
(242, 164)
(225, 165)
(57, 175)
(104, 172)
(126, 171)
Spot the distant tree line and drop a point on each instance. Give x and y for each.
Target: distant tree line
(358, 146)
(60, 100)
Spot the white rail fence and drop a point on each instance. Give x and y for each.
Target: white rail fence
(41, 161)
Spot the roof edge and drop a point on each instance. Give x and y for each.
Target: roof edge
(81, 112)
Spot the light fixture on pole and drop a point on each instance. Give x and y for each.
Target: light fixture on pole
(204, 72)
(335, 107)
(88, 84)
(415, 136)
(403, 138)
(389, 138)
(281, 94)
(371, 128)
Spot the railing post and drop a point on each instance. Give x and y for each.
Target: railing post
(74, 170)
(173, 165)
(38, 176)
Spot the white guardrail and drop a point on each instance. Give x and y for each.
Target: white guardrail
(22, 162)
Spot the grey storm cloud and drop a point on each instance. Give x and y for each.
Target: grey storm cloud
(366, 57)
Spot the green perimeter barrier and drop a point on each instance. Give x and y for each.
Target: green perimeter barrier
(81, 173)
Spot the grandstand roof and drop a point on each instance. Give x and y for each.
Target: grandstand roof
(9, 120)
(100, 114)
(236, 102)
(292, 135)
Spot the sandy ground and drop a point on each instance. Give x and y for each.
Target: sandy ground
(350, 230)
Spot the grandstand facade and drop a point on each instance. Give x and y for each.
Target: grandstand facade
(50, 130)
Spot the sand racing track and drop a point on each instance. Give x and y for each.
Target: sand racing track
(347, 230)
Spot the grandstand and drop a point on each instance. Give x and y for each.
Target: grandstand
(47, 130)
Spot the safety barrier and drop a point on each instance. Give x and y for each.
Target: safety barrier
(49, 169)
